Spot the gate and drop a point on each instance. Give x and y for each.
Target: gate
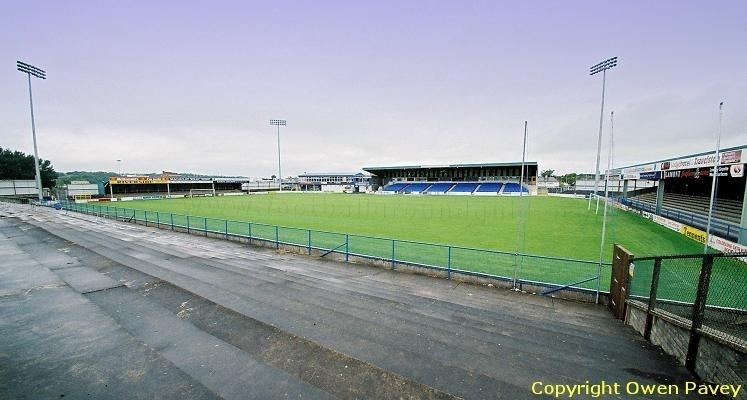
(622, 270)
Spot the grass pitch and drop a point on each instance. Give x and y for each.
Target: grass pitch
(545, 227)
(557, 227)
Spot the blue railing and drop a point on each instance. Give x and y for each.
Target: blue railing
(552, 272)
(720, 228)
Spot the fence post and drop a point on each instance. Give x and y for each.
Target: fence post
(277, 237)
(309, 245)
(145, 217)
(448, 265)
(698, 311)
(652, 299)
(393, 254)
(188, 224)
(250, 233)
(134, 215)
(205, 225)
(226, 229)
(158, 220)
(171, 215)
(347, 248)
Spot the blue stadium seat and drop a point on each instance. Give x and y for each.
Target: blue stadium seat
(466, 187)
(416, 187)
(394, 187)
(493, 187)
(440, 187)
(514, 188)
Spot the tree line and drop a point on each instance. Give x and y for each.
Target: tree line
(17, 165)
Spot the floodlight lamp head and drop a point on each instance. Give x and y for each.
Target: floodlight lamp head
(603, 66)
(278, 122)
(31, 70)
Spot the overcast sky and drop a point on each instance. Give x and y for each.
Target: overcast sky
(190, 86)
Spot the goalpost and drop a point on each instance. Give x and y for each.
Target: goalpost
(201, 192)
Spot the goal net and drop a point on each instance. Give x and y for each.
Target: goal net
(201, 192)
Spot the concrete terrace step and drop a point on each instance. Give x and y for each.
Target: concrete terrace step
(295, 280)
(232, 373)
(57, 344)
(424, 345)
(338, 288)
(348, 338)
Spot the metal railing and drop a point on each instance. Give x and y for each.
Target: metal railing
(550, 272)
(720, 228)
(706, 291)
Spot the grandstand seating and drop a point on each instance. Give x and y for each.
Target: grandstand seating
(464, 187)
(493, 187)
(395, 187)
(415, 187)
(440, 187)
(511, 187)
(460, 188)
(726, 209)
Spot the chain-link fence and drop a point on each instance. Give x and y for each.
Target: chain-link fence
(707, 292)
(551, 272)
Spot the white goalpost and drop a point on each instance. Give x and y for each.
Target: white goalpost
(201, 192)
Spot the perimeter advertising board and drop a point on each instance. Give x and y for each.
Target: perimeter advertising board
(715, 242)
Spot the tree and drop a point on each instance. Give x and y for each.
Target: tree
(547, 173)
(569, 179)
(65, 178)
(17, 165)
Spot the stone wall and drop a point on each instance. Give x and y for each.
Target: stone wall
(718, 359)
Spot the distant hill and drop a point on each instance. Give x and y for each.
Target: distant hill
(63, 178)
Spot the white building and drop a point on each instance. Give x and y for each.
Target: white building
(18, 187)
(335, 182)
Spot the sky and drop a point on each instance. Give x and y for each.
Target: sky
(190, 86)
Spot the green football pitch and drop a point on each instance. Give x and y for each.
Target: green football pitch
(560, 236)
(541, 225)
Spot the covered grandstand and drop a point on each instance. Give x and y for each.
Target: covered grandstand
(169, 185)
(456, 179)
(679, 189)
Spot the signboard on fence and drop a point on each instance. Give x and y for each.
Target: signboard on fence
(668, 223)
(694, 233)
